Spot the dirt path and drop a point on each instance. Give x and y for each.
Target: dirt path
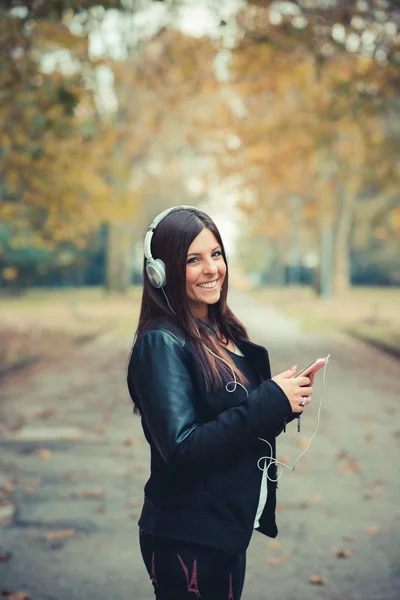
(73, 464)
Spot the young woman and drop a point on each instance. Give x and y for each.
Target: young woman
(210, 413)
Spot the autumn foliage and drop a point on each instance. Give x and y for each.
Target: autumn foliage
(302, 118)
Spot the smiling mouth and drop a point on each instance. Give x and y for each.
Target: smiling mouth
(208, 286)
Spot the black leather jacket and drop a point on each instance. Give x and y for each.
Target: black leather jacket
(205, 483)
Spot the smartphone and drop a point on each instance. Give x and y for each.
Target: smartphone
(313, 368)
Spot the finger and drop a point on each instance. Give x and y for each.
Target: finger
(303, 381)
(305, 391)
(312, 379)
(287, 374)
(305, 400)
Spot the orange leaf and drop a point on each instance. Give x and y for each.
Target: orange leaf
(276, 560)
(372, 530)
(59, 534)
(317, 580)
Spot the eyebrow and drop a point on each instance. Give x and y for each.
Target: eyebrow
(199, 253)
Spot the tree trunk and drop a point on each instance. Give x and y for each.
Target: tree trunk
(323, 274)
(341, 248)
(119, 258)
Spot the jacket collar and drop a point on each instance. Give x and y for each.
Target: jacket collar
(256, 354)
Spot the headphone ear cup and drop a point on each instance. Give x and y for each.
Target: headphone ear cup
(155, 269)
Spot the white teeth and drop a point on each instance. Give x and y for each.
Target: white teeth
(209, 286)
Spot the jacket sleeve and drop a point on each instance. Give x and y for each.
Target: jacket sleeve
(164, 386)
(288, 420)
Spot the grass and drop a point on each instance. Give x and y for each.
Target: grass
(48, 322)
(369, 313)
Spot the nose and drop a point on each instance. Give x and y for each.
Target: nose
(210, 267)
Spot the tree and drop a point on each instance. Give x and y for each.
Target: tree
(48, 180)
(313, 124)
(154, 85)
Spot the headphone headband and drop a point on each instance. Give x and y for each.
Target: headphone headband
(155, 268)
(156, 221)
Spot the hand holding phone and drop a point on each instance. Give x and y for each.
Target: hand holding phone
(312, 369)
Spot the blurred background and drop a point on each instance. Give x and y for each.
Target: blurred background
(278, 118)
(281, 119)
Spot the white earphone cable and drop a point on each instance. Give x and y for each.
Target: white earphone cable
(166, 297)
(271, 458)
(281, 464)
(235, 381)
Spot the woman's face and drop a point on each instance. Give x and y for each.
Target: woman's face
(205, 272)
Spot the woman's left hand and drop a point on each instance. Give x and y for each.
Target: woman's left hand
(291, 372)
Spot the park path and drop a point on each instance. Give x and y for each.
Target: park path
(73, 464)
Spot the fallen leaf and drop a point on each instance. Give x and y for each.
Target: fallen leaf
(135, 501)
(377, 486)
(131, 442)
(95, 493)
(367, 495)
(276, 560)
(372, 530)
(367, 417)
(349, 538)
(7, 487)
(352, 466)
(302, 441)
(100, 509)
(341, 455)
(118, 449)
(5, 556)
(47, 414)
(317, 580)
(304, 504)
(10, 595)
(343, 553)
(59, 534)
(281, 507)
(69, 476)
(43, 453)
(274, 545)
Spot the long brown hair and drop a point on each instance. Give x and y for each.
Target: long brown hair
(170, 242)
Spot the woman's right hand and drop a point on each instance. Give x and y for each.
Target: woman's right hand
(297, 390)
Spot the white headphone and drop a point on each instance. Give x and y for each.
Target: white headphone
(155, 267)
